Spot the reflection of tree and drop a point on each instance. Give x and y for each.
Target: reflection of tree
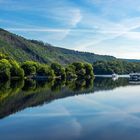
(29, 85)
(108, 83)
(16, 85)
(8, 88)
(17, 95)
(80, 84)
(58, 84)
(46, 84)
(89, 84)
(4, 87)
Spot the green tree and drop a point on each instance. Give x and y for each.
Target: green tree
(89, 70)
(3, 56)
(45, 70)
(79, 69)
(70, 72)
(59, 71)
(4, 69)
(29, 68)
(16, 70)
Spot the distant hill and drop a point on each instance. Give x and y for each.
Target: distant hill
(23, 49)
(131, 60)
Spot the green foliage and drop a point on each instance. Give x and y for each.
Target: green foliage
(29, 68)
(120, 67)
(89, 70)
(16, 70)
(22, 50)
(10, 68)
(59, 71)
(4, 69)
(3, 56)
(70, 72)
(45, 70)
(79, 69)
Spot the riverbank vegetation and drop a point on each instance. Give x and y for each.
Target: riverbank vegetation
(9, 69)
(119, 67)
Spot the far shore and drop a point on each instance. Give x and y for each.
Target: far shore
(109, 75)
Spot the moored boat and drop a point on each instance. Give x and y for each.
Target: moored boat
(134, 76)
(114, 76)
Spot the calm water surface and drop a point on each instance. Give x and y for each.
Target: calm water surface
(102, 109)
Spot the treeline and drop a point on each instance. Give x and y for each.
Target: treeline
(10, 68)
(119, 67)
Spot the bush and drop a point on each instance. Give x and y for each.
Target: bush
(29, 68)
(59, 71)
(89, 70)
(79, 69)
(70, 72)
(16, 70)
(4, 69)
(45, 70)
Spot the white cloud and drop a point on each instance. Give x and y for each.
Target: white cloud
(63, 15)
(76, 17)
(107, 30)
(78, 27)
(37, 29)
(132, 35)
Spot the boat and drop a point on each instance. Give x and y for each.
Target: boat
(134, 76)
(114, 76)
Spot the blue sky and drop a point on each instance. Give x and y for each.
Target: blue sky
(110, 27)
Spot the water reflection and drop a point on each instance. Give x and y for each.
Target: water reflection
(18, 95)
(110, 84)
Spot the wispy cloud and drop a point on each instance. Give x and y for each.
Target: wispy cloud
(37, 29)
(63, 15)
(80, 25)
(107, 30)
(69, 16)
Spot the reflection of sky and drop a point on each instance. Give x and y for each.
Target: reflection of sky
(104, 115)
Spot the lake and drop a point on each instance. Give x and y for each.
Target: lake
(100, 109)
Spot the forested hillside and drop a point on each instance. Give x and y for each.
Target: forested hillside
(22, 49)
